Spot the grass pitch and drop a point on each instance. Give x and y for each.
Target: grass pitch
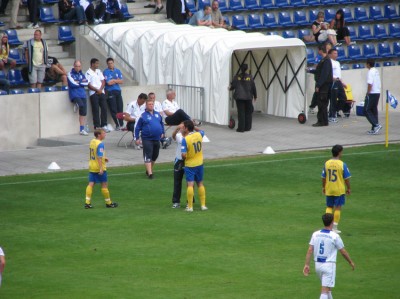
(251, 243)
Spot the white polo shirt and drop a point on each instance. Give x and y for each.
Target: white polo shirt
(374, 79)
(178, 139)
(171, 106)
(158, 108)
(134, 110)
(336, 70)
(95, 79)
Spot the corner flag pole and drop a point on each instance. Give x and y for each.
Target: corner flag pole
(387, 120)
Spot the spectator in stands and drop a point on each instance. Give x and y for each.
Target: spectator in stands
(113, 78)
(338, 95)
(5, 85)
(174, 115)
(36, 56)
(113, 9)
(157, 7)
(55, 71)
(216, 16)
(97, 95)
(14, 14)
(134, 111)
(177, 11)
(33, 8)
(322, 32)
(342, 31)
(202, 17)
(3, 7)
(77, 94)
(94, 15)
(157, 104)
(5, 50)
(69, 11)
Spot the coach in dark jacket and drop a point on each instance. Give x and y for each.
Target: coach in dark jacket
(244, 94)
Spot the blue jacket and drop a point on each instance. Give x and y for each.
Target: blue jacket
(109, 75)
(76, 85)
(151, 126)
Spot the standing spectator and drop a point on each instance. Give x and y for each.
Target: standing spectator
(192, 154)
(174, 114)
(98, 170)
(202, 17)
(55, 71)
(5, 51)
(2, 263)
(342, 31)
(77, 94)
(372, 97)
(177, 11)
(94, 15)
(70, 11)
(335, 184)
(97, 96)
(14, 14)
(216, 16)
(178, 168)
(113, 78)
(133, 112)
(324, 245)
(323, 83)
(36, 56)
(3, 7)
(113, 8)
(322, 32)
(245, 93)
(33, 8)
(150, 128)
(338, 95)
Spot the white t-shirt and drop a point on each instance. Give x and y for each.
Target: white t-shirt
(158, 108)
(171, 106)
(134, 110)
(336, 70)
(95, 79)
(178, 139)
(374, 79)
(326, 244)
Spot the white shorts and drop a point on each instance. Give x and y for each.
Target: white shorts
(37, 74)
(326, 273)
(323, 36)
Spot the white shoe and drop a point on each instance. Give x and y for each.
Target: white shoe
(30, 26)
(176, 206)
(204, 208)
(377, 129)
(36, 26)
(96, 22)
(189, 209)
(83, 132)
(105, 128)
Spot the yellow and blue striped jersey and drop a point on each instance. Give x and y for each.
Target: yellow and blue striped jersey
(192, 145)
(96, 150)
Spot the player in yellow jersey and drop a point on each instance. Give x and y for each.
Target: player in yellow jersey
(98, 169)
(335, 179)
(192, 153)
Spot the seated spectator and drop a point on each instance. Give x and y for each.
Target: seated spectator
(5, 50)
(157, 104)
(113, 9)
(5, 85)
(134, 111)
(174, 115)
(216, 16)
(342, 31)
(55, 71)
(94, 15)
(70, 12)
(322, 32)
(202, 17)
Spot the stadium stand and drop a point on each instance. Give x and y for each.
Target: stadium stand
(33, 90)
(65, 35)
(46, 15)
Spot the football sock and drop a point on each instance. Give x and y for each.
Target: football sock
(336, 216)
(324, 296)
(330, 295)
(329, 210)
(106, 195)
(89, 191)
(189, 196)
(202, 195)
(81, 128)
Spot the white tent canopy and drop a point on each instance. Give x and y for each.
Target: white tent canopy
(163, 53)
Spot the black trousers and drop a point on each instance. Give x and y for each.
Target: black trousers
(245, 114)
(178, 117)
(98, 12)
(116, 105)
(337, 98)
(371, 109)
(178, 177)
(323, 102)
(33, 8)
(99, 117)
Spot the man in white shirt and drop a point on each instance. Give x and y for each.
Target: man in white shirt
(338, 95)
(2, 263)
(372, 97)
(324, 245)
(134, 110)
(174, 115)
(98, 98)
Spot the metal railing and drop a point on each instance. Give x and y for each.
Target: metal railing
(190, 99)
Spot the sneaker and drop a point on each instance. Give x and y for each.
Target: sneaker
(105, 128)
(76, 107)
(189, 209)
(197, 123)
(371, 132)
(118, 128)
(30, 26)
(311, 110)
(151, 176)
(96, 22)
(101, 20)
(377, 129)
(204, 208)
(36, 26)
(176, 206)
(88, 206)
(333, 120)
(112, 205)
(83, 132)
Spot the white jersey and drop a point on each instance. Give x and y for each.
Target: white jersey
(326, 243)
(95, 79)
(178, 139)
(374, 79)
(134, 110)
(171, 106)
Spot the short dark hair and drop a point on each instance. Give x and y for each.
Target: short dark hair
(97, 132)
(371, 62)
(327, 219)
(336, 150)
(93, 61)
(109, 59)
(331, 50)
(188, 124)
(150, 94)
(143, 96)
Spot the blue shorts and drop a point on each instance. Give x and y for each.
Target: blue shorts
(194, 174)
(335, 201)
(98, 178)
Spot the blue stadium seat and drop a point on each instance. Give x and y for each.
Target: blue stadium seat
(15, 77)
(203, 3)
(33, 90)
(46, 15)
(191, 6)
(369, 51)
(344, 67)
(384, 50)
(310, 56)
(358, 66)
(50, 88)
(354, 52)
(329, 14)
(282, 3)
(312, 2)
(361, 1)
(312, 15)
(63, 88)
(288, 34)
(51, 2)
(353, 33)
(255, 21)
(380, 31)
(360, 14)
(394, 29)
(388, 63)
(239, 22)
(222, 6)
(269, 20)
(125, 11)
(303, 32)
(284, 19)
(226, 20)
(2, 24)
(252, 5)
(298, 3)
(65, 35)
(328, 2)
(272, 33)
(16, 55)
(3, 93)
(347, 2)
(2, 75)
(13, 39)
(16, 91)
(396, 49)
(267, 4)
(348, 16)
(390, 12)
(300, 18)
(364, 32)
(375, 13)
(236, 5)
(341, 54)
